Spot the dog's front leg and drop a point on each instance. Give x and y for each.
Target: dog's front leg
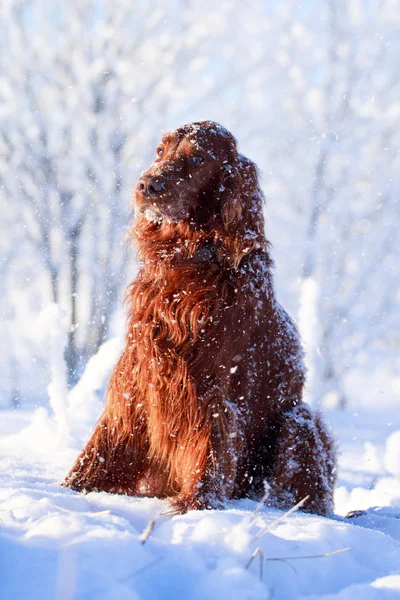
(210, 463)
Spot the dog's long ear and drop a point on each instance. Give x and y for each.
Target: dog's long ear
(241, 207)
(230, 196)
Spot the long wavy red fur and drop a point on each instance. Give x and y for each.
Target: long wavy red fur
(211, 371)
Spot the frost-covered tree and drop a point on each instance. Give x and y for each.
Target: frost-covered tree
(350, 275)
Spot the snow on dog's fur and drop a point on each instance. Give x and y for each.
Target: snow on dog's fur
(205, 402)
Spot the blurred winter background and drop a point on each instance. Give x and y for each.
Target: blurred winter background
(311, 91)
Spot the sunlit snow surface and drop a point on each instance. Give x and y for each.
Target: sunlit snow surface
(57, 544)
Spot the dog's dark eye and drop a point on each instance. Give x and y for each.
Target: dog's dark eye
(197, 160)
(160, 151)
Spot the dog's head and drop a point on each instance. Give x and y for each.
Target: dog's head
(198, 179)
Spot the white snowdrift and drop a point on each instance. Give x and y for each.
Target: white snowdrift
(55, 543)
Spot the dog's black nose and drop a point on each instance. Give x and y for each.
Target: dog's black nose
(152, 186)
(155, 186)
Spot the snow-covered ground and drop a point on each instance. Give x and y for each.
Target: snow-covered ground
(57, 544)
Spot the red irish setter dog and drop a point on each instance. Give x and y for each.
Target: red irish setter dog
(205, 403)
